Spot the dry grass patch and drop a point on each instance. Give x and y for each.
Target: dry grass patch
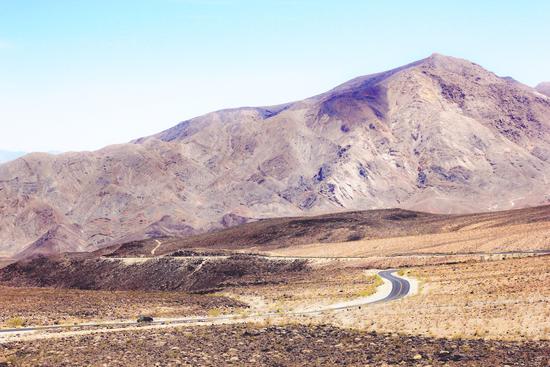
(15, 322)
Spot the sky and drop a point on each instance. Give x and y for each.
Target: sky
(79, 75)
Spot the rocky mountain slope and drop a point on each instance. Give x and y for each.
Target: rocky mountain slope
(441, 135)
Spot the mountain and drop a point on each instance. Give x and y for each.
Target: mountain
(6, 156)
(543, 88)
(441, 135)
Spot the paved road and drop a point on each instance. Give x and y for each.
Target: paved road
(400, 288)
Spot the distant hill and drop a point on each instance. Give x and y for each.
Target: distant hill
(6, 156)
(544, 88)
(362, 233)
(440, 135)
(520, 229)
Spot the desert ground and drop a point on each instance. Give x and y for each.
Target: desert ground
(472, 313)
(47, 306)
(289, 345)
(303, 304)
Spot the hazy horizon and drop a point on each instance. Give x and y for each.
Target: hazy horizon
(83, 76)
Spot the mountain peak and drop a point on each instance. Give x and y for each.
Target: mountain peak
(438, 60)
(438, 56)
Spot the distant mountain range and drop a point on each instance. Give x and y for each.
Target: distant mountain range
(441, 134)
(6, 156)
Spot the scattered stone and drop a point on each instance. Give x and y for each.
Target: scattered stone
(222, 344)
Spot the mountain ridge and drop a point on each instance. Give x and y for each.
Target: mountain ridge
(543, 88)
(440, 134)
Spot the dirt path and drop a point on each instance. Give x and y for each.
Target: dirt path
(199, 267)
(156, 248)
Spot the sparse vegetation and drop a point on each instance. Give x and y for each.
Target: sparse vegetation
(470, 300)
(214, 312)
(39, 306)
(373, 281)
(15, 322)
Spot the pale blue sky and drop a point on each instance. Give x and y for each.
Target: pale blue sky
(78, 75)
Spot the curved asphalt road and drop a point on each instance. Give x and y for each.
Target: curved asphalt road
(400, 288)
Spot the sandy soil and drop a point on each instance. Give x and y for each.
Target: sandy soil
(318, 289)
(46, 306)
(473, 238)
(507, 299)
